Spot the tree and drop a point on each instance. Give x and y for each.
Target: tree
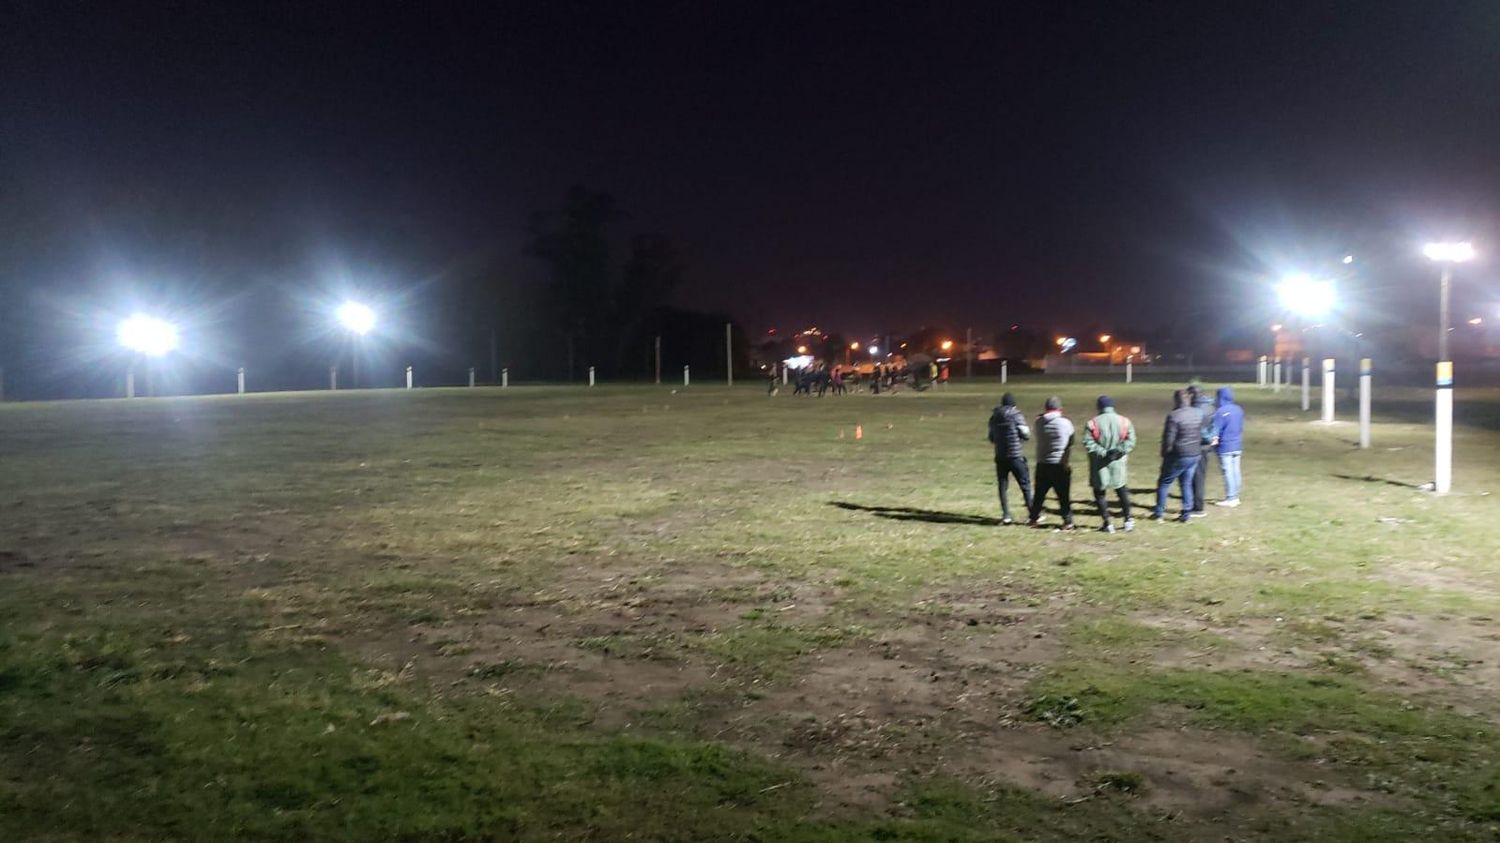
(651, 275)
(576, 246)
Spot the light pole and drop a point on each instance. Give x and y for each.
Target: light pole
(1445, 254)
(359, 320)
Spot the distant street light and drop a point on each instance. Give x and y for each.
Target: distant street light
(1348, 259)
(854, 346)
(1305, 295)
(1446, 254)
(947, 345)
(147, 335)
(874, 349)
(1104, 339)
(356, 318)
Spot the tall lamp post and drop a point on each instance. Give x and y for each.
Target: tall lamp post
(359, 320)
(1445, 254)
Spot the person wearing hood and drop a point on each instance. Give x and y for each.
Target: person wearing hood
(1008, 433)
(1205, 407)
(1229, 439)
(1181, 451)
(1054, 444)
(1109, 438)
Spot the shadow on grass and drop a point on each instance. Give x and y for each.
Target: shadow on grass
(1401, 484)
(931, 516)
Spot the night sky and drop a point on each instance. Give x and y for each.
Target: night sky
(865, 166)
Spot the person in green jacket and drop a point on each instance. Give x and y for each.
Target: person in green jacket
(1109, 437)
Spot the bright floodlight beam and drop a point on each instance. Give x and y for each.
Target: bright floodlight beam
(147, 335)
(1305, 295)
(1449, 252)
(356, 317)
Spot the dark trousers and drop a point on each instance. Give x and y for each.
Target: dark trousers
(1004, 468)
(1200, 477)
(1101, 498)
(1051, 476)
(1178, 470)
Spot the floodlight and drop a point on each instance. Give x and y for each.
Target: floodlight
(1449, 252)
(147, 335)
(1348, 259)
(356, 317)
(947, 344)
(874, 349)
(1305, 295)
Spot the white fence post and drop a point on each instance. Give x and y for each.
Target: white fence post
(333, 377)
(1306, 384)
(591, 376)
(408, 377)
(1328, 376)
(1260, 372)
(239, 378)
(685, 379)
(1364, 402)
(1129, 374)
(1443, 479)
(1276, 376)
(471, 377)
(1004, 371)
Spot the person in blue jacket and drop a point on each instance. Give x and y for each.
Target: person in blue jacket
(1229, 443)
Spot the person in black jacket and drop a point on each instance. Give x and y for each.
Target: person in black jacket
(1008, 433)
(1181, 451)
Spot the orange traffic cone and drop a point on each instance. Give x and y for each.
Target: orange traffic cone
(859, 432)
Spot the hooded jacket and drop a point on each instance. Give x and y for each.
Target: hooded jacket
(1009, 432)
(1182, 436)
(1229, 422)
(1108, 438)
(1054, 438)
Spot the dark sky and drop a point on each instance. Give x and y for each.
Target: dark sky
(865, 165)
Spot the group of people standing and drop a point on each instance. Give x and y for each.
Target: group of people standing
(1197, 427)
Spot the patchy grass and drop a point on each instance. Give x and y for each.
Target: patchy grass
(547, 613)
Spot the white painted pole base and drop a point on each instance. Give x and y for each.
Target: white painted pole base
(408, 377)
(1364, 402)
(471, 377)
(591, 376)
(1306, 384)
(1327, 402)
(1443, 475)
(239, 377)
(1004, 371)
(1276, 379)
(333, 377)
(685, 379)
(783, 375)
(1129, 372)
(1260, 372)
(504, 377)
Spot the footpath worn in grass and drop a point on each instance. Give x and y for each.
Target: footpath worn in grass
(710, 614)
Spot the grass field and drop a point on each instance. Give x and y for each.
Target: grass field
(632, 613)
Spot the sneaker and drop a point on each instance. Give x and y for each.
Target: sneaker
(1107, 528)
(1156, 516)
(1198, 513)
(1068, 526)
(1230, 502)
(1129, 525)
(1184, 518)
(1006, 521)
(1035, 522)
